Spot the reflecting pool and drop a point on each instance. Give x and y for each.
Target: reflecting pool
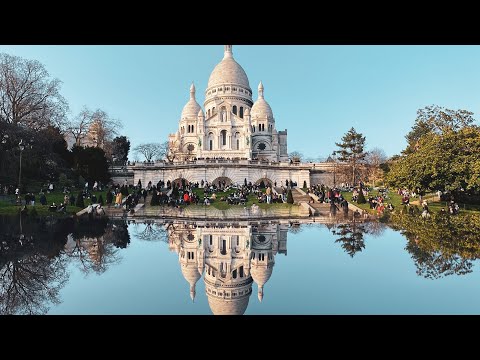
(67, 266)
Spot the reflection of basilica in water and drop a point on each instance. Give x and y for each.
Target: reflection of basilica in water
(231, 257)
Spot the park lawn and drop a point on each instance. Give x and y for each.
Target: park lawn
(7, 208)
(223, 205)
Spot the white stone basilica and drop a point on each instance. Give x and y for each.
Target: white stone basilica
(231, 139)
(232, 125)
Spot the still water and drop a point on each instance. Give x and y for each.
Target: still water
(281, 267)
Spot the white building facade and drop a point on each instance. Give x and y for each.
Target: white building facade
(232, 138)
(231, 125)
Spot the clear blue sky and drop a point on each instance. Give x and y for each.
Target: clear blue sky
(316, 92)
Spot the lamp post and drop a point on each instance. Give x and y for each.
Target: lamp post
(334, 168)
(21, 146)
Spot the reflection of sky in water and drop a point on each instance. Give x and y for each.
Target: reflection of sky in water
(317, 277)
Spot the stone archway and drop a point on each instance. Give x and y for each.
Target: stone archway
(264, 182)
(180, 182)
(222, 181)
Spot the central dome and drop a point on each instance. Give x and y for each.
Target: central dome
(228, 71)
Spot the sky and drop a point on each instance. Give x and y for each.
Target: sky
(316, 92)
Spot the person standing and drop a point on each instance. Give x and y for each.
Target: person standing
(268, 192)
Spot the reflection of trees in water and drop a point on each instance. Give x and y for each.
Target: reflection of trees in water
(94, 244)
(351, 234)
(351, 237)
(150, 231)
(30, 284)
(31, 272)
(441, 245)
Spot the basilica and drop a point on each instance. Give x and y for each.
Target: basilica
(230, 125)
(231, 139)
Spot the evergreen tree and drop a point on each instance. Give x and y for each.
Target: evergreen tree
(361, 198)
(109, 197)
(80, 202)
(289, 196)
(351, 150)
(155, 200)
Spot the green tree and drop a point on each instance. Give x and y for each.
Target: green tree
(120, 149)
(446, 162)
(90, 163)
(361, 197)
(351, 150)
(438, 120)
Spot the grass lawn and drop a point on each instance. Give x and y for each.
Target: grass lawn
(223, 205)
(433, 203)
(7, 208)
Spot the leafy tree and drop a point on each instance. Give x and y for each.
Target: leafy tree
(351, 150)
(100, 199)
(90, 163)
(120, 149)
(437, 120)
(446, 162)
(289, 196)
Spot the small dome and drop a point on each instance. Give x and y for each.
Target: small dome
(247, 111)
(261, 274)
(200, 113)
(191, 273)
(191, 108)
(261, 109)
(228, 71)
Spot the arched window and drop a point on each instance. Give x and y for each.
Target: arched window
(211, 240)
(241, 112)
(223, 135)
(193, 129)
(208, 112)
(210, 141)
(237, 141)
(253, 127)
(213, 110)
(241, 271)
(235, 109)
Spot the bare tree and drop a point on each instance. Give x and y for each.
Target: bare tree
(296, 156)
(374, 159)
(104, 128)
(150, 151)
(78, 126)
(28, 96)
(93, 128)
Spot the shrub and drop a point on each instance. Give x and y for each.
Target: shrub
(100, 199)
(290, 197)
(79, 203)
(361, 198)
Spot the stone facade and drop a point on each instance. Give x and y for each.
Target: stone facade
(232, 125)
(232, 138)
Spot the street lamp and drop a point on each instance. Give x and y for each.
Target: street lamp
(334, 167)
(21, 146)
